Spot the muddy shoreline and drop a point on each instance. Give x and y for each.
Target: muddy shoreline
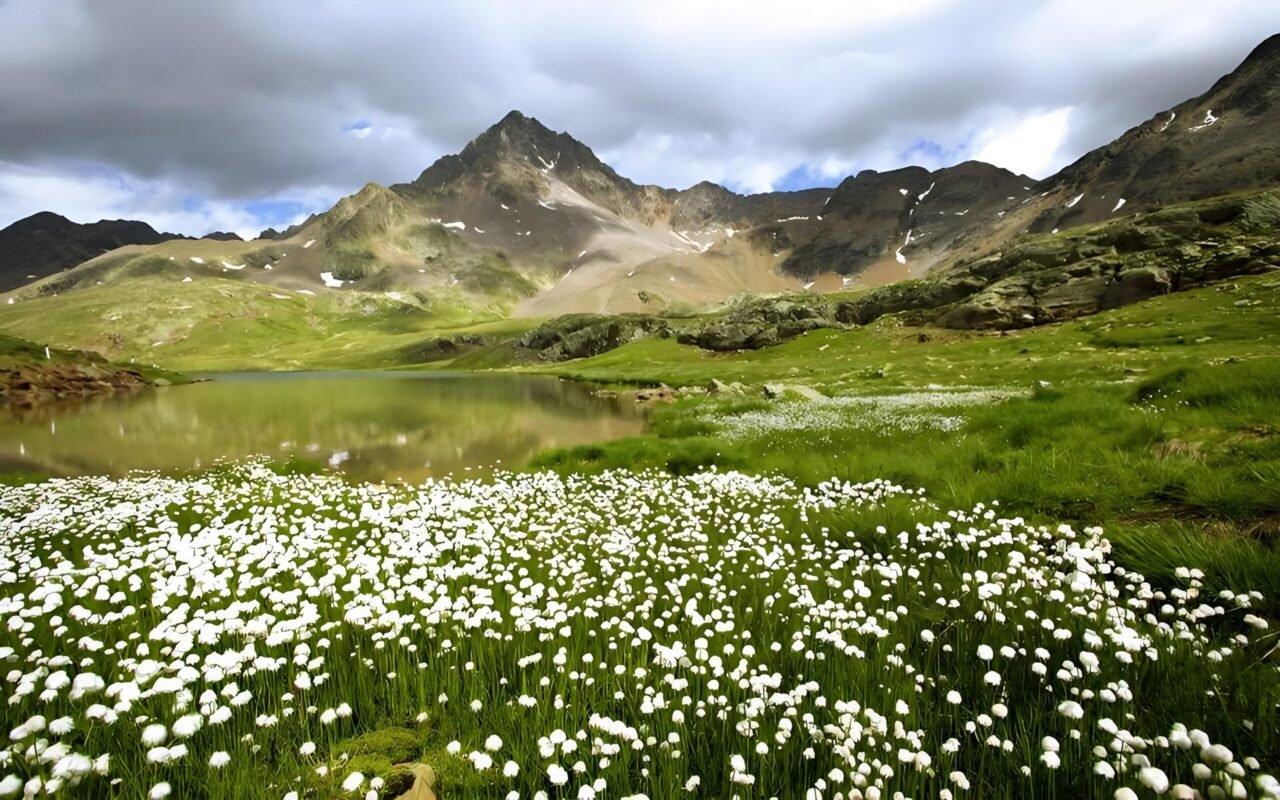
(28, 387)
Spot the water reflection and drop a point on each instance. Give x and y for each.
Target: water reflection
(372, 426)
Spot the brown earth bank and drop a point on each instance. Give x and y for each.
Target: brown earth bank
(29, 386)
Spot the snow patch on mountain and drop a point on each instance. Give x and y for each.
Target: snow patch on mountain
(898, 253)
(1209, 119)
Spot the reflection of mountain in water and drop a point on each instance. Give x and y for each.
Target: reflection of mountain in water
(375, 426)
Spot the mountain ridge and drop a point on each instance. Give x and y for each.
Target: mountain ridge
(47, 242)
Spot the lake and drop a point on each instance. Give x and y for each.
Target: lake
(369, 425)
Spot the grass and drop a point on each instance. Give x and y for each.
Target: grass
(222, 324)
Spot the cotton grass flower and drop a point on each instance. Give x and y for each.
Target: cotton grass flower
(154, 734)
(718, 633)
(1154, 779)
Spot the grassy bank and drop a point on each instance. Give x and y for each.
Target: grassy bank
(18, 353)
(225, 325)
(1237, 319)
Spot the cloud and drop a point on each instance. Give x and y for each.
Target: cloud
(1031, 145)
(85, 193)
(240, 101)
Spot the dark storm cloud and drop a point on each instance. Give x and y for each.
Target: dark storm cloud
(215, 105)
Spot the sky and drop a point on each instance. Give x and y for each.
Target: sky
(241, 114)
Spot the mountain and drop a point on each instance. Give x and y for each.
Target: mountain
(46, 243)
(528, 221)
(1222, 141)
(890, 225)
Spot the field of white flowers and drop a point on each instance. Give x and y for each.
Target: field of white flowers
(241, 633)
(928, 409)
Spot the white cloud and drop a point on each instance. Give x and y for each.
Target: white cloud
(96, 195)
(681, 161)
(1028, 145)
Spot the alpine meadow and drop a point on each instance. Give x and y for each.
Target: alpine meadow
(927, 445)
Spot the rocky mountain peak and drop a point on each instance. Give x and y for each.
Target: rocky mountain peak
(1269, 49)
(515, 140)
(41, 220)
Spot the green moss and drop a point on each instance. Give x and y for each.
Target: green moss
(397, 745)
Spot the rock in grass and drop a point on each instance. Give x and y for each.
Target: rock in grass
(660, 394)
(424, 781)
(778, 391)
(807, 392)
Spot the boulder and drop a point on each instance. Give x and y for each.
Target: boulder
(788, 329)
(722, 337)
(423, 782)
(585, 335)
(765, 337)
(1075, 297)
(779, 391)
(1003, 305)
(807, 392)
(1229, 262)
(1132, 285)
(660, 394)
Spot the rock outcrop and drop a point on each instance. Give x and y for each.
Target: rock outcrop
(584, 335)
